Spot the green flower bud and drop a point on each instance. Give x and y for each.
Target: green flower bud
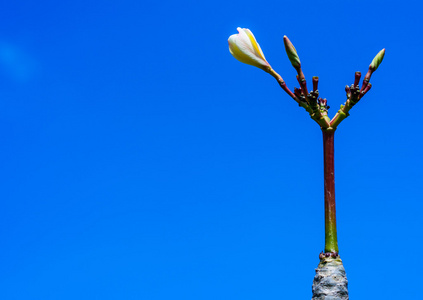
(377, 60)
(292, 53)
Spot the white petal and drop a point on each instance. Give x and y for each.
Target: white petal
(256, 45)
(246, 49)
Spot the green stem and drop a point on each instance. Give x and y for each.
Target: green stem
(341, 114)
(331, 240)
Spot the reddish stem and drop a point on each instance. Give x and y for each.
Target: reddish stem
(302, 82)
(287, 90)
(331, 240)
(357, 78)
(366, 79)
(315, 83)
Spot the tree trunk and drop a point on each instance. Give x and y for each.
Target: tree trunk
(330, 282)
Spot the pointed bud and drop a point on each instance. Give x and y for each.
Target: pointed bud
(292, 53)
(377, 60)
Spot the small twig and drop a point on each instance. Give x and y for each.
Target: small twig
(368, 87)
(297, 92)
(282, 84)
(364, 92)
(323, 103)
(315, 114)
(302, 81)
(348, 91)
(297, 96)
(315, 83)
(357, 78)
(354, 94)
(366, 79)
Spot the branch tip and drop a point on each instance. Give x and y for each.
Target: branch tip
(315, 83)
(357, 78)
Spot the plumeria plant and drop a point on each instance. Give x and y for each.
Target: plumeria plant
(330, 281)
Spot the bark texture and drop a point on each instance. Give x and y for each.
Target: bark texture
(330, 282)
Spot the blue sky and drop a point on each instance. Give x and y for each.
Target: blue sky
(142, 161)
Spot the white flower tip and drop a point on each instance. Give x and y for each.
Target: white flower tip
(244, 47)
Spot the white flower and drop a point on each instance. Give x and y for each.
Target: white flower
(244, 47)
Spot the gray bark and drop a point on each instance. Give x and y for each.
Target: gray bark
(330, 282)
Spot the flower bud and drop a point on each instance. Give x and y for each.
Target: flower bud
(244, 47)
(292, 53)
(377, 60)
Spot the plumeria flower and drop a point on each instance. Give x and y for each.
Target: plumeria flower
(244, 47)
